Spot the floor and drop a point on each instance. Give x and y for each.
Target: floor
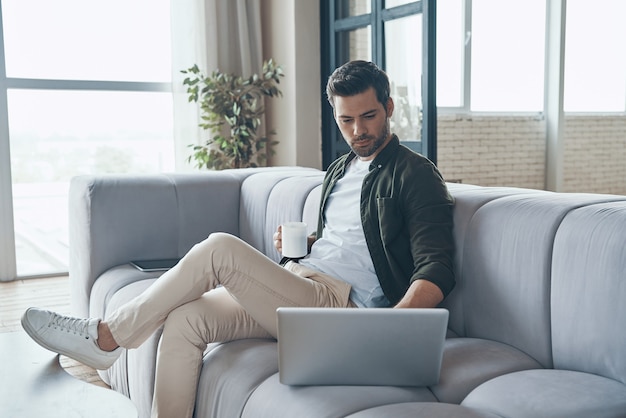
(49, 293)
(33, 385)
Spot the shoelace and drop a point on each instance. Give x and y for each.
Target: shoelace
(69, 324)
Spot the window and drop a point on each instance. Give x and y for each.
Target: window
(79, 40)
(87, 92)
(491, 55)
(595, 62)
(508, 44)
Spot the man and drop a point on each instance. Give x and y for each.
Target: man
(384, 238)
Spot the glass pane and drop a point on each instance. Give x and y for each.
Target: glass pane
(508, 44)
(59, 134)
(450, 53)
(346, 8)
(393, 3)
(404, 67)
(74, 39)
(595, 62)
(354, 45)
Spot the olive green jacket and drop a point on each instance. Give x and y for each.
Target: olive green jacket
(406, 213)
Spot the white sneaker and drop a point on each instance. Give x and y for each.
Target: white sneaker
(73, 337)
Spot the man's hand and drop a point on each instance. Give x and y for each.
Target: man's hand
(421, 294)
(278, 239)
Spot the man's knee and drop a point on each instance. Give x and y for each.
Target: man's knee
(185, 323)
(216, 241)
(219, 239)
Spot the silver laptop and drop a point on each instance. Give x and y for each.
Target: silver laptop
(359, 346)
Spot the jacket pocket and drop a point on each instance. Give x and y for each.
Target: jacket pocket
(389, 219)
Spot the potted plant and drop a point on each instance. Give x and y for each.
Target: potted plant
(231, 108)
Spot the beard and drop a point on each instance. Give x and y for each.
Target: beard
(366, 145)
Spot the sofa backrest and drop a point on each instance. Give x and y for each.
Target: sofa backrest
(506, 272)
(467, 200)
(118, 218)
(270, 198)
(589, 291)
(506, 268)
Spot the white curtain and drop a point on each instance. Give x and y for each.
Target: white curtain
(214, 34)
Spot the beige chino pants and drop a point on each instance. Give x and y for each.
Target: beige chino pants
(222, 290)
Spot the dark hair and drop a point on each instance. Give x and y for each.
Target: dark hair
(355, 77)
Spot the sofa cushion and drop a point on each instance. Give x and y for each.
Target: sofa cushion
(550, 394)
(469, 362)
(272, 399)
(589, 291)
(133, 373)
(110, 282)
(422, 409)
(230, 373)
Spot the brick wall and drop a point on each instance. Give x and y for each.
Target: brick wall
(595, 154)
(492, 150)
(511, 151)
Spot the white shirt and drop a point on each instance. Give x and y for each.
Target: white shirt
(342, 252)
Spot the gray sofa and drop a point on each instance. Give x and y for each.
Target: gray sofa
(536, 319)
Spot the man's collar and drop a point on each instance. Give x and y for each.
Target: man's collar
(383, 156)
(386, 153)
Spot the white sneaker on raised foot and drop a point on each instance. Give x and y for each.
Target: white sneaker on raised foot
(73, 337)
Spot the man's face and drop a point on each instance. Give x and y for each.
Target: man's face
(364, 123)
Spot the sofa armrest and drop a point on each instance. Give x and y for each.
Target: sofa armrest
(118, 218)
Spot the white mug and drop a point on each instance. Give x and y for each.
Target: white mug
(294, 239)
